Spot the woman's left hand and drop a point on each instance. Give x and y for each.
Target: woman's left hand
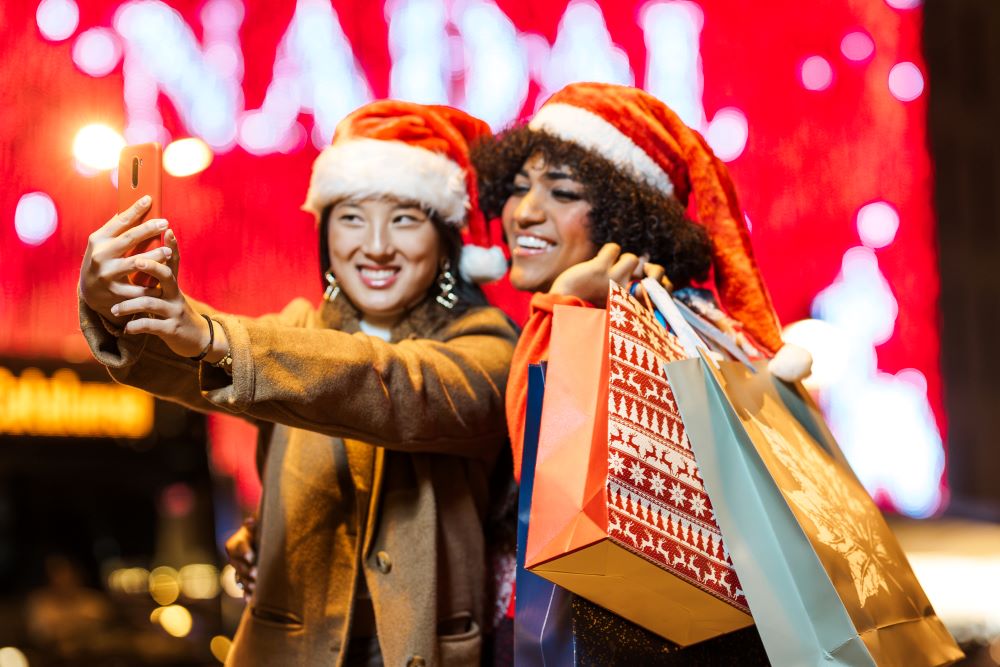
(169, 317)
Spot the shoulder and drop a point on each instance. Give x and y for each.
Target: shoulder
(298, 313)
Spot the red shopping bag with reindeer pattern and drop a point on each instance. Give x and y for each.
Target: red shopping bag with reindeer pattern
(619, 512)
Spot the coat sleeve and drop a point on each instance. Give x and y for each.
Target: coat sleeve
(145, 362)
(532, 348)
(418, 395)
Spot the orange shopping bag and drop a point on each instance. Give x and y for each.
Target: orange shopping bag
(619, 513)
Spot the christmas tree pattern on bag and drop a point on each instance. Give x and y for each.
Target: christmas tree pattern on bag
(657, 504)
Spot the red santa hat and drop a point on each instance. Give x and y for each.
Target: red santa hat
(417, 153)
(645, 138)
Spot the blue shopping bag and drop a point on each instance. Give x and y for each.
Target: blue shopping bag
(543, 624)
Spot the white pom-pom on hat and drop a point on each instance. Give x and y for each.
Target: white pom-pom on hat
(791, 363)
(482, 265)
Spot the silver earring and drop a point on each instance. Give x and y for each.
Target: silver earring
(446, 283)
(332, 288)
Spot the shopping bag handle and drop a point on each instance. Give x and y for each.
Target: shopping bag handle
(664, 303)
(713, 333)
(684, 322)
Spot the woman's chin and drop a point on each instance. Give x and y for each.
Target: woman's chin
(529, 281)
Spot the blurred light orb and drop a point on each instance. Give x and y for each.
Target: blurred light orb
(816, 73)
(199, 581)
(176, 620)
(97, 146)
(228, 581)
(877, 223)
(57, 19)
(164, 585)
(906, 83)
(12, 657)
(35, 218)
(186, 157)
(857, 46)
(727, 133)
(220, 647)
(904, 4)
(97, 52)
(828, 347)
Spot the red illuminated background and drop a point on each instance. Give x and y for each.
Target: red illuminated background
(812, 159)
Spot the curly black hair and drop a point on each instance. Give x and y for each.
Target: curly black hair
(624, 210)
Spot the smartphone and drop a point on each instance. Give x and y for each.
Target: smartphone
(140, 172)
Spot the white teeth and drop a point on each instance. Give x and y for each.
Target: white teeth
(533, 242)
(378, 274)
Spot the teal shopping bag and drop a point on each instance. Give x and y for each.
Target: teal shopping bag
(827, 582)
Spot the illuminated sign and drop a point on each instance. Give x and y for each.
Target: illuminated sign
(62, 405)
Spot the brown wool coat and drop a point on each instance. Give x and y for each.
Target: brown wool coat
(376, 465)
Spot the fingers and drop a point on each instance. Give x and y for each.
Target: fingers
(115, 269)
(148, 325)
(129, 238)
(143, 304)
(122, 221)
(162, 273)
(654, 271)
(174, 258)
(607, 255)
(624, 268)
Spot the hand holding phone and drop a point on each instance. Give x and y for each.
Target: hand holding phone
(140, 172)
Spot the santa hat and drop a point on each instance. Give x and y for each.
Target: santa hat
(642, 136)
(417, 153)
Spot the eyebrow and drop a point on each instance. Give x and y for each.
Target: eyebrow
(556, 175)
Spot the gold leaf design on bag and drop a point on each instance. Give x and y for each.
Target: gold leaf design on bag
(833, 505)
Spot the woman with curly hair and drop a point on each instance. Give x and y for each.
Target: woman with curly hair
(596, 188)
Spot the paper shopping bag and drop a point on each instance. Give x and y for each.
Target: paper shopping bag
(827, 581)
(619, 512)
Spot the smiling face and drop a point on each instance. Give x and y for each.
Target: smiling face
(546, 223)
(385, 255)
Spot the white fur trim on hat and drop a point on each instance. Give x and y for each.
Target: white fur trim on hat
(587, 129)
(482, 265)
(791, 363)
(372, 167)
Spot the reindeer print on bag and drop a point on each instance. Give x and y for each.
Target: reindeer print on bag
(657, 504)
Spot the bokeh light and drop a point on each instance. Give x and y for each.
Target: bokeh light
(57, 19)
(228, 580)
(97, 51)
(186, 157)
(199, 581)
(35, 218)
(904, 4)
(12, 657)
(727, 133)
(877, 224)
(906, 82)
(816, 73)
(164, 585)
(857, 46)
(826, 345)
(97, 146)
(176, 620)
(220, 647)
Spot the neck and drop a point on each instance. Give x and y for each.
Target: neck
(379, 320)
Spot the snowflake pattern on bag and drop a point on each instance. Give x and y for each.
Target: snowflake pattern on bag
(657, 504)
(844, 518)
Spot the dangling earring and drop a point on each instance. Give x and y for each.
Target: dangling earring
(446, 283)
(332, 288)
